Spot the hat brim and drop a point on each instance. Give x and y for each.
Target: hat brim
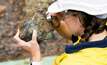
(59, 6)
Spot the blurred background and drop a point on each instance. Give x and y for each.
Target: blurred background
(13, 14)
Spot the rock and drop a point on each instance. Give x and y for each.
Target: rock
(16, 12)
(26, 30)
(2, 10)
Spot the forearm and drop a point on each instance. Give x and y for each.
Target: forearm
(35, 53)
(36, 58)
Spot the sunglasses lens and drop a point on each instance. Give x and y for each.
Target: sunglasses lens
(53, 20)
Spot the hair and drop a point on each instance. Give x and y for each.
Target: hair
(91, 23)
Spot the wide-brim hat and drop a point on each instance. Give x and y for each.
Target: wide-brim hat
(92, 7)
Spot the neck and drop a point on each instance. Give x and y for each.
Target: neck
(97, 37)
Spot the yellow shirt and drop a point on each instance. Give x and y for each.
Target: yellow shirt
(88, 56)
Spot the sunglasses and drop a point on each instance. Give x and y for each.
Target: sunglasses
(54, 21)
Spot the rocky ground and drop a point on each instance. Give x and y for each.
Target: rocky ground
(12, 15)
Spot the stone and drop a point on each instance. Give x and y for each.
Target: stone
(26, 30)
(2, 10)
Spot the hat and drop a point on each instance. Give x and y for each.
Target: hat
(92, 7)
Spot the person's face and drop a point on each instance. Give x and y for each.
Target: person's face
(69, 25)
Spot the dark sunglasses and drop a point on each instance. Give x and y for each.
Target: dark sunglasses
(54, 21)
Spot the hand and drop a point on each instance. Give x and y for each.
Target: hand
(31, 47)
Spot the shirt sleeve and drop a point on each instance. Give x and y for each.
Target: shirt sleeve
(35, 63)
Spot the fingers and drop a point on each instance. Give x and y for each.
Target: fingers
(17, 34)
(34, 35)
(16, 37)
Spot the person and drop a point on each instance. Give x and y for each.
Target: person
(82, 21)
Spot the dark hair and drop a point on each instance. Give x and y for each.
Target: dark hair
(92, 24)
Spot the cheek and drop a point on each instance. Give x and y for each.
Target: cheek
(79, 29)
(72, 25)
(75, 26)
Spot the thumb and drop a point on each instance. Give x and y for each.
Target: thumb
(34, 35)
